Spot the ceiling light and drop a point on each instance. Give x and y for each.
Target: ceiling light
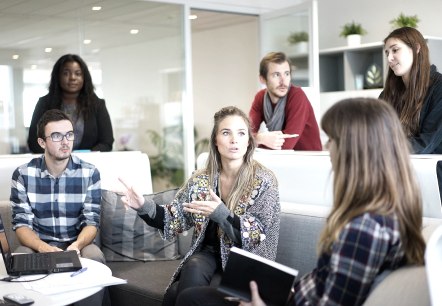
(33, 67)
(87, 41)
(48, 50)
(134, 31)
(96, 8)
(15, 56)
(193, 17)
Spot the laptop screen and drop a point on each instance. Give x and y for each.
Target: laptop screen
(4, 245)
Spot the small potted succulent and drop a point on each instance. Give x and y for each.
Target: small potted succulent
(405, 21)
(299, 40)
(353, 32)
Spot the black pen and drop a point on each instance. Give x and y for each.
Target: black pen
(78, 271)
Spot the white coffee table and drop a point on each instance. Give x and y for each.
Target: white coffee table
(56, 299)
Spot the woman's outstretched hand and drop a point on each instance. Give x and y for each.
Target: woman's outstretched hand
(204, 208)
(131, 198)
(256, 298)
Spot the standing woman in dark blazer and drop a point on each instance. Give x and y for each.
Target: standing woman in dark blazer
(72, 91)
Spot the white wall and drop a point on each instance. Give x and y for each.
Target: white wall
(375, 16)
(225, 66)
(225, 71)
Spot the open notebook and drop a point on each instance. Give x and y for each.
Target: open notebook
(275, 281)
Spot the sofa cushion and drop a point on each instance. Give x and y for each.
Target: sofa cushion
(301, 226)
(6, 213)
(406, 286)
(126, 237)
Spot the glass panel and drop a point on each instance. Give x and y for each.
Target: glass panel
(277, 26)
(6, 108)
(135, 52)
(290, 34)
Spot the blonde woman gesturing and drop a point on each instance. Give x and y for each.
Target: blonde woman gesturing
(233, 201)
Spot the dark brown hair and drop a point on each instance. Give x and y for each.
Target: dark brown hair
(408, 100)
(51, 115)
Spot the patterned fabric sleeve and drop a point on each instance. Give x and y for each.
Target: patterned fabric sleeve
(176, 220)
(260, 221)
(345, 276)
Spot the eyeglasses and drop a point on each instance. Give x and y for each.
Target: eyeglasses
(57, 137)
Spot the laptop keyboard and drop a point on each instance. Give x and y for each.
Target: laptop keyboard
(36, 261)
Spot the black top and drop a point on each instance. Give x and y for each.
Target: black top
(429, 139)
(98, 133)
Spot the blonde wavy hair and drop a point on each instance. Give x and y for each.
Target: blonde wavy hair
(244, 181)
(372, 172)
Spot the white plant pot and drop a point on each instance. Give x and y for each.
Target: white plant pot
(353, 40)
(300, 48)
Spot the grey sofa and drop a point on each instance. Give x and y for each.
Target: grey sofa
(297, 248)
(148, 280)
(300, 228)
(304, 181)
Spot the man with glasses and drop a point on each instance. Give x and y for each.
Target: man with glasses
(281, 115)
(56, 197)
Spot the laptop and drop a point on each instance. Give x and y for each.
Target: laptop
(36, 263)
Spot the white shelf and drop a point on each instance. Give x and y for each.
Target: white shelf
(340, 66)
(352, 48)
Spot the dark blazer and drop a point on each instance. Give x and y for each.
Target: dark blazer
(98, 134)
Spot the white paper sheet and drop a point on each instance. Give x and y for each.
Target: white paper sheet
(63, 282)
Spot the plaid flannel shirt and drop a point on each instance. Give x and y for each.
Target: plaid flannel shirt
(56, 208)
(367, 246)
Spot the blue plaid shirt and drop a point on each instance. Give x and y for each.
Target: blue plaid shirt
(367, 246)
(56, 208)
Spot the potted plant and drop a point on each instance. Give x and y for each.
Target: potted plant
(167, 165)
(299, 41)
(405, 21)
(353, 32)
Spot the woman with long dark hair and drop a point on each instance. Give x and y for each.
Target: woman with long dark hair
(414, 88)
(72, 91)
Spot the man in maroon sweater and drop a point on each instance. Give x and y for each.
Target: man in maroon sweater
(288, 119)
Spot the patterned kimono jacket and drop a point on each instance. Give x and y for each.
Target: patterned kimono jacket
(259, 215)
